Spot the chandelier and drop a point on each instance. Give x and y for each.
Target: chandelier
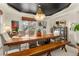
(40, 16)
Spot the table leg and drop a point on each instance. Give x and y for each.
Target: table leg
(49, 53)
(64, 48)
(78, 53)
(77, 47)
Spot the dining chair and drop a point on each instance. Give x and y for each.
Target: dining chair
(1, 47)
(8, 49)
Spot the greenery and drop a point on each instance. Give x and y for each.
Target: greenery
(39, 30)
(76, 28)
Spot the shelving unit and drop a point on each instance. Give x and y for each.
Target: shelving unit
(62, 28)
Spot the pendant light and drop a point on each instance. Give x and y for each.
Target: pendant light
(40, 16)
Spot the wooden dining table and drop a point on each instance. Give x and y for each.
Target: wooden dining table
(20, 40)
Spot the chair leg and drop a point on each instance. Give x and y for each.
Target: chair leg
(4, 51)
(19, 46)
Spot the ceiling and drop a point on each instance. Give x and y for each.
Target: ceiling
(48, 8)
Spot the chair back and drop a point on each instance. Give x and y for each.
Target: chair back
(2, 40)
(6, 37)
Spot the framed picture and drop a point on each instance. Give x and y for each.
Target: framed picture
(15, 25)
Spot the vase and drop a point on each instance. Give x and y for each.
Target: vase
(38, 33)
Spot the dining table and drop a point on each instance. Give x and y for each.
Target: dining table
(22, 40)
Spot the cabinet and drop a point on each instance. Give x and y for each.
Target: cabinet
(62, 29)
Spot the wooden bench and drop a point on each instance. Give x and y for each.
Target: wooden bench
(40, 49)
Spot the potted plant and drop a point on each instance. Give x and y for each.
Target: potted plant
(39, 32)
(76, 27)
